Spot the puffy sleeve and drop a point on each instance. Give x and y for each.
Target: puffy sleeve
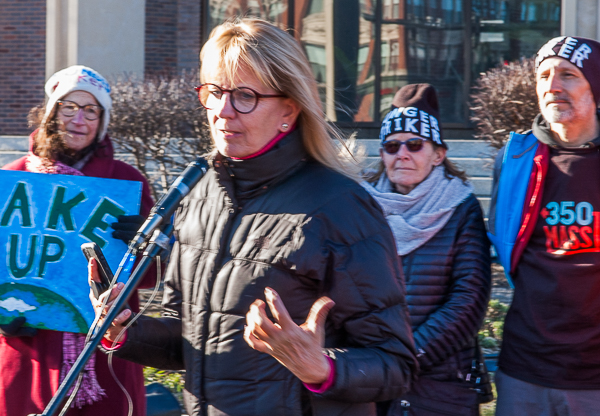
(158, 342)
(452, 326)
(372, 347)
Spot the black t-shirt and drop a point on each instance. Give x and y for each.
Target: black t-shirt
(552, 329)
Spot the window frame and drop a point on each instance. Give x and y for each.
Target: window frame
(377, 64)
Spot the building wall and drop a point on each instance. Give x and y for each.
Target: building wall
(581, 18)
(172, 36)
(110, 36)
(188, 35)
(22, 62)
(161, 37)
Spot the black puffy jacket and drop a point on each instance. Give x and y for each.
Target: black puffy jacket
(448, 283)
(284, 221)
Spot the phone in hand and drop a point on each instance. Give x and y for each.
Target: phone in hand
(92, 251)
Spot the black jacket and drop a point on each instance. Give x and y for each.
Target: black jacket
(285, 221)
(448, 283)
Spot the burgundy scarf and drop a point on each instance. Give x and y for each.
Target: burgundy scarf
(89, 390)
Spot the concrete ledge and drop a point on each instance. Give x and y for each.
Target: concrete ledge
(473, 166)
(7, 157)
(14, 143)
(470, 155)
(481, 186)
(456, 148)
(484, 201)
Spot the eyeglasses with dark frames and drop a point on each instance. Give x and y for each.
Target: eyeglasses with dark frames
(244, 100)
(413, 145)
(68, 108)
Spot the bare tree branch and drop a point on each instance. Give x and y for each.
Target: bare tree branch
(504, 100)
(160, 123)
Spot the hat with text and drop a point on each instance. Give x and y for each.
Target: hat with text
(415, 110)
(80, 78)
(582, 52)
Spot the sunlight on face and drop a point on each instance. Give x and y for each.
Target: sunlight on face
(240, 135)
(407, 169)
(79, 132)
(564, 94)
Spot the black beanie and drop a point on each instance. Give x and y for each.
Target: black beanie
(415, 109)
(582, 52)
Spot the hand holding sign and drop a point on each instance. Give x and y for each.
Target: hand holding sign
(15, 328)
(127, 227)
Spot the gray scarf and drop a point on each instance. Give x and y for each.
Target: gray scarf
(416, 217)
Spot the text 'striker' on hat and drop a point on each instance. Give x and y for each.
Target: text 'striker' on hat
(415, 110)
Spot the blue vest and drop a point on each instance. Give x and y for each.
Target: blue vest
(517, 165)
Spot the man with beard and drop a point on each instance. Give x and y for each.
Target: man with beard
(545, 224)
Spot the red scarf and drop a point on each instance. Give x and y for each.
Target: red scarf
(89, 390)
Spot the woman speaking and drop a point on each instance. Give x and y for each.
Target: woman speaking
(284, 293)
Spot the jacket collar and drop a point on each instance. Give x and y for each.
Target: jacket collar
(254, 176)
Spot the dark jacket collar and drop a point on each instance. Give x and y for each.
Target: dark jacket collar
(251, 177)
(541, 130)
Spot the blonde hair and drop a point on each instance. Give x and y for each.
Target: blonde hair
(278, 61)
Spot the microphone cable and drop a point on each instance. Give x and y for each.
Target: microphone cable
(93, 327)
(124, 330)
(164, 208)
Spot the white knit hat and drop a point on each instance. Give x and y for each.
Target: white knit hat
(80, 78)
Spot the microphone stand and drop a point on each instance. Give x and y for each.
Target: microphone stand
(155, 242)
(158, 245)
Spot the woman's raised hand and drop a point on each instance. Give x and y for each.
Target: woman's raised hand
(117, 324)
(298, 348)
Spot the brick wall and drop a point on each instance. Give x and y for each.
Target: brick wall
(161, 37)
(172, 36)
(172, 44)
(188, 35)
(22, 62)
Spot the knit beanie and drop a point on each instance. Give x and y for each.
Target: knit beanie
(415, 109)
(80, 78)
(581, 52)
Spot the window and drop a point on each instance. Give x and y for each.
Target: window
(362, 51)
(272, 10)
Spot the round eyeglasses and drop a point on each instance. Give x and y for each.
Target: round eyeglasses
(413, 145)
(68, 108)
(244, 100)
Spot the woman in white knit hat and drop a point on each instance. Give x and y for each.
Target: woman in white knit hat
(70, 139)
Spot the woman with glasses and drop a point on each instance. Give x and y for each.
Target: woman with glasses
(71, 139)
(440, 236)
(283, 295)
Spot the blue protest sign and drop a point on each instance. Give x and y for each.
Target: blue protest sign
(44, 219)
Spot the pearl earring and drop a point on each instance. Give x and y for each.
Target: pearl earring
(285, 126)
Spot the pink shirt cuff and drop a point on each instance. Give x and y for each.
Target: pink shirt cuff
(323, 387)
(108, 345)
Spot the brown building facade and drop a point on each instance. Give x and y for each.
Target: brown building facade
(361, 51)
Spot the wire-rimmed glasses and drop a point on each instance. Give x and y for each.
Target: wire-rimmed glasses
(244, 100)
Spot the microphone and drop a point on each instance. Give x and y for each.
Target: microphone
(165, 207)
